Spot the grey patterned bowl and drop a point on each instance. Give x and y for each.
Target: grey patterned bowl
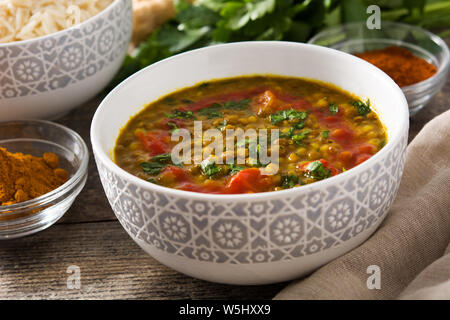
(254, 238)
(47, 76)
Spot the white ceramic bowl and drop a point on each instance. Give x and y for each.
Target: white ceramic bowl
(48, 76)
(249, 238)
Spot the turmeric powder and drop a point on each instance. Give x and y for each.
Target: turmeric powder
(24, 177)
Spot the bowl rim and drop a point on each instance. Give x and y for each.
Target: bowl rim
(12, 209)
(441, 69)
(110, 7)
(105, 160)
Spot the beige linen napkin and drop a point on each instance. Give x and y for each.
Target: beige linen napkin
(410, 245)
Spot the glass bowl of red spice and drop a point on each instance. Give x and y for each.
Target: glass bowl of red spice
(43, 167)
(416, 59)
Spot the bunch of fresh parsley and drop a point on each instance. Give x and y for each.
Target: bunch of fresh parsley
(207, 22)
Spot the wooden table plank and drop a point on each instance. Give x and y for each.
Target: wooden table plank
(91, 205)
(112, 265)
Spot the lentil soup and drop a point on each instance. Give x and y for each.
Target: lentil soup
(323, 131)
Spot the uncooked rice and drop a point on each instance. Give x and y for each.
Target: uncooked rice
(27, 19)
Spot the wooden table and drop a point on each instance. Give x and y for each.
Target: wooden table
(112, 266)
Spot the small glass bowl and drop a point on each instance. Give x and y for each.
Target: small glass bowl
(356, 37)
(36, 137)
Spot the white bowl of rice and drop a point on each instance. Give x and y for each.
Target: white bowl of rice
(57, 54)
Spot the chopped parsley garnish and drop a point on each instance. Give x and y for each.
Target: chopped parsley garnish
(363, 108)
(325, 134)
(288, 134)
(256, 163)
(152, 168)
(289, 181)
(333, 107)
(209, 168)
(382, 143)
(173, 126)
(237, 105)
(179, 114)
(212, 111)
(162, 158)
(156, 164)
(298, 138)
(291, 130)
(317, 170)
(290, 114)
(235, 168)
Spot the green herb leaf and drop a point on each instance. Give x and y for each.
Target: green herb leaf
(173, 126)
(157, 163)
(207, 22)
(152, 168)
(179, 114)
(194, 16)
(237, 105)
(288, 134)
(212, 111)
(235, 168)
(162, 158)
(333, 107)
(363, 108)
(289, 181)
(209, 168)
(152, 181)
(289, 114)
(298, 138)
(317, 170)
(325, 134)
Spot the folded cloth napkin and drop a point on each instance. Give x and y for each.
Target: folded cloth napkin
(411, 247)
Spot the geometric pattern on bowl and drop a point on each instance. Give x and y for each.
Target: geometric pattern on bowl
(64, 58)
(257, 231)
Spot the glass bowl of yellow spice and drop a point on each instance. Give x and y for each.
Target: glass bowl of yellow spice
(43, 167)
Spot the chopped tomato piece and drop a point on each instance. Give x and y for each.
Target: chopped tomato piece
(215, 187)
(345, 156)
(342, 135)
(331, 119)
(155, 142)
(164, 123)
(174, 175)
(301, 104)
(264, 103)
(334, 171)
(362, 157)
(366, 148)
(249, 181)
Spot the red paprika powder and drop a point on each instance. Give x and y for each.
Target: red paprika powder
(400, 64)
